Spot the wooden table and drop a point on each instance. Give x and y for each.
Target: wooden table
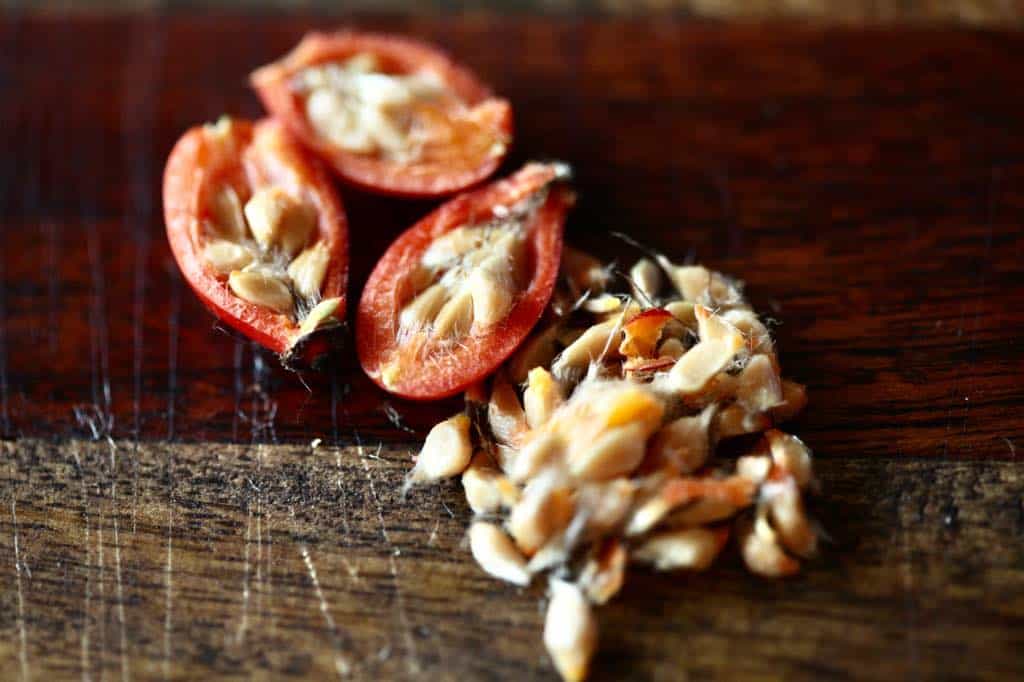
(165, 513)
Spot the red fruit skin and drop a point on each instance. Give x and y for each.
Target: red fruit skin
(272, 84)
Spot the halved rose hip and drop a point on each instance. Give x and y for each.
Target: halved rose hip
(455, 294)
(391, 115)
(259, 234)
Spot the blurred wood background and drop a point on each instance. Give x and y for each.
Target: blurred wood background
(994, 13)
(165, 514)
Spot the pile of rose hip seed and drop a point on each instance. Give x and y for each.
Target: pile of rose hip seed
(595, 445)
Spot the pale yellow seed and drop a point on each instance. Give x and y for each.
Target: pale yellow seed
(262, 289)
(226, 209)
(541, 397)
(497, 554)
(225, 256)
(791, 455)
(603, 574)
(683, 311)
(605, 504)
(586, 348)
(623, 314)
(754, 467)
(570, 631)
(505, 413)
(672, 348)
(446, 451)
(684, 442)
(423, 309)
(691, 548)
(308, 269)
(698, 284)
(603, 304)
(646, 277)
(759, 388)
(719, 344)
(487, 489)
(542, 511)
(713, 327)
(794, 399)
(760, 549)
(321, 315)
(615, 452)
(698, 366)
(278, 219)
(334, 120)
(555, 552)
(221, 128)
(506, 456)
(537, 351)
(734, 421)
(700, 513)
(456, 316)
(786, 510)
(543, 450)
(363, 62)
(391, 373)
(419, 278)
(746, 320)
(490, 286)
(451, 246)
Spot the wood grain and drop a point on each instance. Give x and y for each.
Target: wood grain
(162, 512)
(993, 13)
(185, 561)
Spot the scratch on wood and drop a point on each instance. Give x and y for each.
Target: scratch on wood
(102, 619)
(243, 621)
(413, 656)
(87, 596)
(137, 113)
(259, 542)
(168, 591)
(341, 664)
(267, 575)
(352, 569)
(432, 540)
(22, 629)
(125, 670)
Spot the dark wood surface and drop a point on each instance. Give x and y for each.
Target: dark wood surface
(993, 13)
(867, 184)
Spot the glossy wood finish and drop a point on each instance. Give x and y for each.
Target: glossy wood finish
(867, 184)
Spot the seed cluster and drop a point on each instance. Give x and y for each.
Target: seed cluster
(466, 282)
(595, 445)
(469, 277)
(361, 109)
(263, 249)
